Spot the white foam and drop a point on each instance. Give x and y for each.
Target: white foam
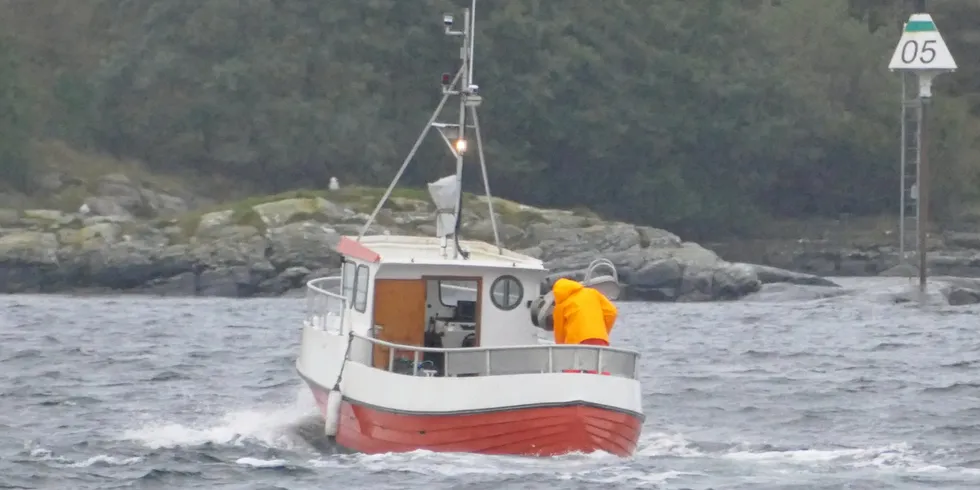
(262, 463)
(105, 459)
(269, 426)
(797, 456)
(619, 476)
(659, 444)
(599, 467)
(898, 457)
(460, 464)
(43, 454)
(892, 457)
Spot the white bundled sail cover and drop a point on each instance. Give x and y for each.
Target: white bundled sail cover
(444, 194)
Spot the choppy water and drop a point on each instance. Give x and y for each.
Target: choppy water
(779, 392)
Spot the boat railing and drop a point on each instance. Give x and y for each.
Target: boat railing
(501, 360)
(325, 304)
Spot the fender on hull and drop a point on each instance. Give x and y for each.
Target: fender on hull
(531, 431)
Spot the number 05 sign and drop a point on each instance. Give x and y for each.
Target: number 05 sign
(921, 48)
(913, 51)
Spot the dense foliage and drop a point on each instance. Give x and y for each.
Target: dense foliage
(705, 116)
(16, 124)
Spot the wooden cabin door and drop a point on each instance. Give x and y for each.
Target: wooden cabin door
(399, 315)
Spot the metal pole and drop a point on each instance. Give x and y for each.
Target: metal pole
(922, 180)
(901, 170)
(464, 55)
(923, 200)
(486, 180)
(469, 40)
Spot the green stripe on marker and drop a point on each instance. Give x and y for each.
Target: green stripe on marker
(920, 26)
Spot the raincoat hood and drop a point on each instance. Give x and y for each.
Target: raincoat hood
(563, 288)
(580, 313)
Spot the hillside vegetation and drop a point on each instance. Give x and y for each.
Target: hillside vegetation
(706, 117)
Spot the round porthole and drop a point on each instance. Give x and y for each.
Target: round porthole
(506, 292)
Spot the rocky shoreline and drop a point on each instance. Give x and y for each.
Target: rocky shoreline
(951, 253)
(128, 238)
(953, 261)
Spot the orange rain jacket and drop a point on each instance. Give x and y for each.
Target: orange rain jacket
(581, 313)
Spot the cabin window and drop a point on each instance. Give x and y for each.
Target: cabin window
(506, 292)
(347, 288)
(450, 292)
(361, 282)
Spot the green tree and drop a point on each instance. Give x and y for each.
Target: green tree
(15, 121)
(707, 117)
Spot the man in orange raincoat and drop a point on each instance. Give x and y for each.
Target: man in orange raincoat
(582, 315)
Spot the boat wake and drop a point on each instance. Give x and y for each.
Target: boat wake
(292, 426)
(290, 437)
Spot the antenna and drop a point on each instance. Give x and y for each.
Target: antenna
(454, 135)
(470, 42)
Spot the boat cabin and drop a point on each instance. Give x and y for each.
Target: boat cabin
(405, 291)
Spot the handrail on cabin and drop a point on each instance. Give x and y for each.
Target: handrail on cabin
(487, 368)
(316, 293)
(315, 284)
(391, 345)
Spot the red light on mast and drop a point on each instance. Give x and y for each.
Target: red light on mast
(446, 79)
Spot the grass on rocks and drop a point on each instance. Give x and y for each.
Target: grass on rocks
(81, 171)
(360, 199)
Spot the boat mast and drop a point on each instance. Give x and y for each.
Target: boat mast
(454, 134)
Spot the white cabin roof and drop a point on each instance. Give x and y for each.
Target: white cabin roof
(420, 250)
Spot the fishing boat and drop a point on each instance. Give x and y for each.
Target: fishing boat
(440, 343)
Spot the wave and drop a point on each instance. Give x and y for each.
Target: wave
(40, 454)
(277, 427)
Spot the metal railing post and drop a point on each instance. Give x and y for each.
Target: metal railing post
(415, 364)
(391, 360)
(551, 359)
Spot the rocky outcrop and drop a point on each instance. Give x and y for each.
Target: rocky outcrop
(113, 194)
(117, 195)
(959, 291)
(953, 260)
(955, 254)
(271, 247)
(655, 265)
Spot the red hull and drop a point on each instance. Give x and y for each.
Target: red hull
(532, 431)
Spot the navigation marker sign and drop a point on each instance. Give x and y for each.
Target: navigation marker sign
(921, 50)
